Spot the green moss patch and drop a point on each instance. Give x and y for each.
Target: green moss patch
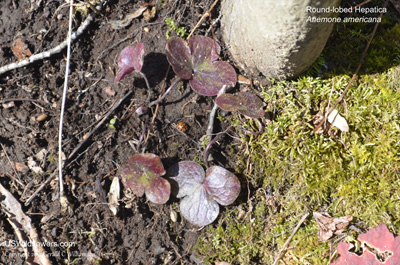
(292, 170)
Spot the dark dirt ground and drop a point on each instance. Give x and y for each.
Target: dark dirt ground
(141, 233)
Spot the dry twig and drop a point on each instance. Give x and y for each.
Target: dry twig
(49, 53)
(106, 116)
(290, 238)
(206, 14)
(65, 205)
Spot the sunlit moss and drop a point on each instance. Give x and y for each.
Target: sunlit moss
(294, 171)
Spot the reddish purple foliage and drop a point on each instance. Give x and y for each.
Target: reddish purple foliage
(130, 59)
(245, 103)
(142, 174)
(202, 191)
(378, 245)
(195, 61)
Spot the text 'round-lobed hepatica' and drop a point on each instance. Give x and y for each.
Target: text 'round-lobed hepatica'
(142, 174)
(202, 191)
(195, 60)
(129, 60)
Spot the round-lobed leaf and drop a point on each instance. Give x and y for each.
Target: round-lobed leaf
(202, 191)
(159, 191)
(203, 48)
(179, 57)
(209, 77)
(142, 174)
(228, 102)
(222, 185)
(198, 209)
(245, 103)
(195, 61)
(188, 174)
(130, 59)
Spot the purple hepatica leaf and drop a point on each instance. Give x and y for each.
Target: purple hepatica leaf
(203, 48)
(195, 61)
(142, 174)
(130, 59)
(201, 191)
(223, 185)
(178, 55)
(246, 103)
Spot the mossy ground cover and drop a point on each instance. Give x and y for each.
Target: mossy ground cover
(290, 170)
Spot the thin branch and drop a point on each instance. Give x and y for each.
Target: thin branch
(106, 116)
(141, 138)
(44, 184)
(174, 83)
(63, 199)
(355, 74)
(23, 99)
(49, 53)
(290, 238)
(206, 14)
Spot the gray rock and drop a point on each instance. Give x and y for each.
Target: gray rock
(276, 38)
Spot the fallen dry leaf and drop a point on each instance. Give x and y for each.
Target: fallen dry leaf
(114, 195)
(328, 226)
(120, 24)
(338, 121)
(20, 49)
(23, 228)
(378, 246)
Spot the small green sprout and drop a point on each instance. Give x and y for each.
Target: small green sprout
(180, 31)
(113, 121)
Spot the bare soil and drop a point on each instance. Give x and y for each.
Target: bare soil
(141, 233)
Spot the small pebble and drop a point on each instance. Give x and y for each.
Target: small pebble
(41, 117)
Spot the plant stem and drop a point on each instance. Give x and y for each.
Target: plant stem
(208, 147)
(142, 136)
(147, 84)
(211, 126)
(205, 156)
(261, 127)
(213, 112)
(174, 83)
